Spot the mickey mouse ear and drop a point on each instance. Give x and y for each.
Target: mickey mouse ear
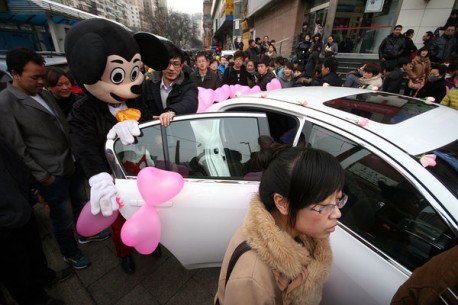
(153, 52)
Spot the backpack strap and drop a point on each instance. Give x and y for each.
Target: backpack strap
(241, 248)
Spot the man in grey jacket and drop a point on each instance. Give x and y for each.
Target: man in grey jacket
(32, 122)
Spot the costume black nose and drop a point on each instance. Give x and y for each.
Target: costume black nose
(136, 89)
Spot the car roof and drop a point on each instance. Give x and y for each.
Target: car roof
(418, 134)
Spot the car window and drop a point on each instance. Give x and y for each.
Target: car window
(384, 208)
(205, 148)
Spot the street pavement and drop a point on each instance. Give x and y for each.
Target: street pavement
(157, 280)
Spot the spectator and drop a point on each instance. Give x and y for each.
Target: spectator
(410, 49)
(252, 52)
(251, 69)
(444, 46)
(299, 197)
(427, 39)
(187, 64)
(299, 77)
(451, 99)
(34, 124)
(60, 84)
(279, 63)
(265, 43)
(214, 67)
(352, 77)
(371, 78)
(25, 271)
(170, 92)
(435, 84)
(237, 73)
(223, 63)
(452, 80)
(392, 47)
(393, 78)
(318, 28)
(417, 71)
(452, 19)
(204, 76)
(264, 75)
(312, 60)
(287, 79)
(271, 51)
(316, 39)
(328, 74)
(258, 42)
(331, 48)
(303, 49)
(304, 31)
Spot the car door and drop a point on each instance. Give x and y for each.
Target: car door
(209, 150)
(391, 224)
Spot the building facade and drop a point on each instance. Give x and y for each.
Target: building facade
(357, 25)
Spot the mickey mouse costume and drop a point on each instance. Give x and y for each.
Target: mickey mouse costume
(106, 61)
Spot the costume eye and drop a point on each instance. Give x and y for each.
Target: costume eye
(134, 74)
(117, 75)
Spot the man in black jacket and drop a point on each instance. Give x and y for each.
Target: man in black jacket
(392, 47)
(204, 77)
(328, 74)
(265, 76)
(170, 92)
(237, 73)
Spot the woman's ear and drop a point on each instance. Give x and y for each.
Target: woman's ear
(282, 204)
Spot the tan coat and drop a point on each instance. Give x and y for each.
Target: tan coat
(279, 270)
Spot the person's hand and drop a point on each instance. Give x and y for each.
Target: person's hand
(103, 194)
(48, 181)
(165, 117)
(126, 131)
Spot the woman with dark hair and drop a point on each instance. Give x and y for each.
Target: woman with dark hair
(60, 84)
(286, 232)
(417, 71)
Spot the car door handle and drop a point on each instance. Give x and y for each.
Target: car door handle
(139, 203)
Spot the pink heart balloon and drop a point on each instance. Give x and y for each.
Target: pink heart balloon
(226, 89)
(221, 94)
(206, 97)
(143, 230)
(255, 89)
(88, 224)
(245, 90)
(157, 186)
(273, 84)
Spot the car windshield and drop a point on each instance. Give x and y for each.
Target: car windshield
(446, 167)
(381, 107)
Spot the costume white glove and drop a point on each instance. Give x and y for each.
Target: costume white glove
(125, 130)
(103, 194)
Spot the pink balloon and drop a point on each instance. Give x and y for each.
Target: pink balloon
(221, 94)
(232, 91)
(143, 230)
(255, 89)
(206, 97)
(273, 84)
(226, 89)
(245, 89)
(157, 186)
(88, 224)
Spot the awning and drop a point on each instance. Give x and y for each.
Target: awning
(225, 28)
(36, 12)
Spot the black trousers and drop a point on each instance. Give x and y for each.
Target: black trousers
(24, 268)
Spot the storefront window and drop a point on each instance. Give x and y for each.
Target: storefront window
(361, 25)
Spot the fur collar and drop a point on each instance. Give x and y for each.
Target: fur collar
(300, 269)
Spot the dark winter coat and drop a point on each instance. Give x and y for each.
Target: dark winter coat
(264, 80)
(442, 48)
(90, 120)
(332, 79)
(392, 47)
(15, 177)
(181, 100)
(234, 77)
(393, 81)
(209, 81)
(435, 89)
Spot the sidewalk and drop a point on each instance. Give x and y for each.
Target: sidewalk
(156, 281)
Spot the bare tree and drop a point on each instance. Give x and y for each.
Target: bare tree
(175, 26)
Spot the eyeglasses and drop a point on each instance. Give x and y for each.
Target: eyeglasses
(328, 208)
(175, 64)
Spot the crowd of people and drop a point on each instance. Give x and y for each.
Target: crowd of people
(42, 112)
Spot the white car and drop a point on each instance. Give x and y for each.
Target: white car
(399, 213)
